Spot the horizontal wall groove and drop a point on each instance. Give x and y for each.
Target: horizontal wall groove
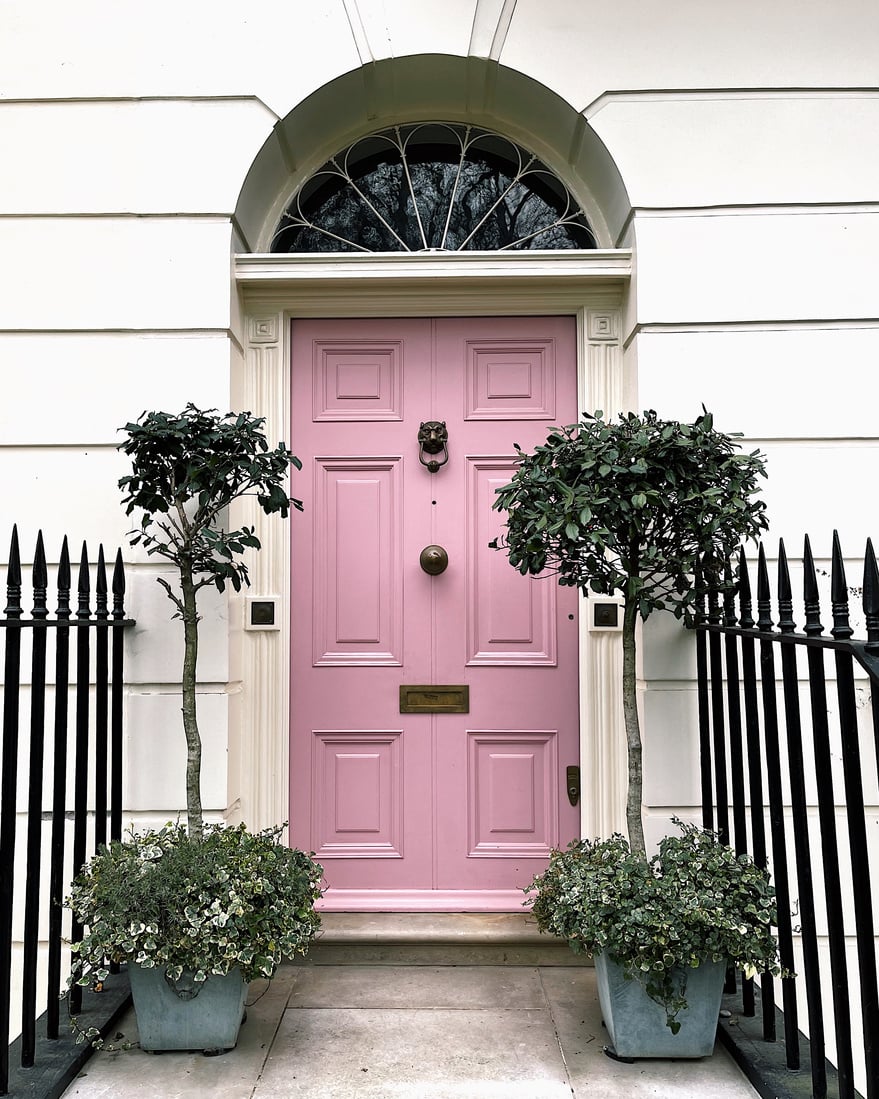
(224, 217)
(832, 324)
(158, 333)
(659, 95)
(75, 100)
(848, 206)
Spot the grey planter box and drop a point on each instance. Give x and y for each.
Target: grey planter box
(636, 1024)
(207, 1020)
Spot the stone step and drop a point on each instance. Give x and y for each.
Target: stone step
(436, 939)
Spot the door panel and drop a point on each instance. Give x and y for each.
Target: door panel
(440, 809)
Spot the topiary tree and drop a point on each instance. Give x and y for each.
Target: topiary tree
(633, 507)
(186, 471)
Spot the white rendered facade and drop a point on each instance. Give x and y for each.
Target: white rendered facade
(726, 158)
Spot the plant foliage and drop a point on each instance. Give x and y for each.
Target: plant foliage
(163, 898)
(695, 901)
(632, 506)
(187, 468)
(640, 507)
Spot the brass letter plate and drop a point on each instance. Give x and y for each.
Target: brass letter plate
(430, 699)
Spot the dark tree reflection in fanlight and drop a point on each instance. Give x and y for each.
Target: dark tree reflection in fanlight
(432, 187)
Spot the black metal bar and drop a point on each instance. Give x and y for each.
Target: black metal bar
(854, 797)
(800, 821)
(80, 780)
(776, 814)
(57, 878)
(34, 811)
(736, 755)
(827, 826)
(734, 710)
(11, 697)
(116, 698)
(102, 701)
(755, 778)
(721, 791)
(704, 714)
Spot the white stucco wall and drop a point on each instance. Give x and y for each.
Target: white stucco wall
(745, 145)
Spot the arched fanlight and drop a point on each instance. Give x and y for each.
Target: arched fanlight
(432, 187)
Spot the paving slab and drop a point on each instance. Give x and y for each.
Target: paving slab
(135, 1074)
(429, 1054)
(418, 987)
(413, 1032)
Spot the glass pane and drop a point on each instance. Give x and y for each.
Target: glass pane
(432, 186)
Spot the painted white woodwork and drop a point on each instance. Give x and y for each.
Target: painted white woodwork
(273, 288)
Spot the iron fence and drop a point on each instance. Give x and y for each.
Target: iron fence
(786, 744)
(86, 737)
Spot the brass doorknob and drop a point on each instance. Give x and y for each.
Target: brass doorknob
(434, 560)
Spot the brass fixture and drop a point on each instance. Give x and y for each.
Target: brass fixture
(572, 775)
(433, 438)
(434, 560)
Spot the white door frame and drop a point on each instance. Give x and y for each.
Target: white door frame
(273, 289)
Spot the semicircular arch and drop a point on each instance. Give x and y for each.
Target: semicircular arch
(422, 88)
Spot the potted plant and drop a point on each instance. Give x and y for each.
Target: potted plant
(201, 910)
(636, 507)
(662, 932)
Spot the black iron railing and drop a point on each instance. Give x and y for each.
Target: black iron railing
(78, 722)
(763, 746)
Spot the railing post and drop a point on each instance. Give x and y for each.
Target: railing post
(854, 798)
(8, 792)
(34, 808)
(799, 813)
(57, 881)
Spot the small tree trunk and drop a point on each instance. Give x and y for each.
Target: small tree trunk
(194, 817)
(633, 729)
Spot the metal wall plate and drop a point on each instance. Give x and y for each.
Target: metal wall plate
(430, 698)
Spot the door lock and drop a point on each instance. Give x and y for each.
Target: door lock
(572, 777)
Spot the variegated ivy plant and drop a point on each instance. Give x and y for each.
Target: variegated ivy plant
(695, 901)
(164, 898)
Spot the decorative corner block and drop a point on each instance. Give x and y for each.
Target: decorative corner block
(602, 326)
(264, 329)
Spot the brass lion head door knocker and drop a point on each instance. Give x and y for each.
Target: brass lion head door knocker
(433, 439)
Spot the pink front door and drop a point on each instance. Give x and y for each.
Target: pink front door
(434, 810)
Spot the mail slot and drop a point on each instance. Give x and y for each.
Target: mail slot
(431, 699)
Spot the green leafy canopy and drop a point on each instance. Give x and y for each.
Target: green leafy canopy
(631, 506)
(187, 468)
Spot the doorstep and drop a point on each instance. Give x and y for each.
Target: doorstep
(436, 939)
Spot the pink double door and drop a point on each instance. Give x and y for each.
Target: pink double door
(414, 792)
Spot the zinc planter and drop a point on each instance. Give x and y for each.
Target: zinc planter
(178, 1015)
(636, 1025)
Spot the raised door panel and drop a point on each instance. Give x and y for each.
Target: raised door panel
(357, 528)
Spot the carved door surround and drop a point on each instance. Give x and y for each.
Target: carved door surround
(272, 290)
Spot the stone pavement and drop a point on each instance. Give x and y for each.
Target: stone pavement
(364, 1031)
